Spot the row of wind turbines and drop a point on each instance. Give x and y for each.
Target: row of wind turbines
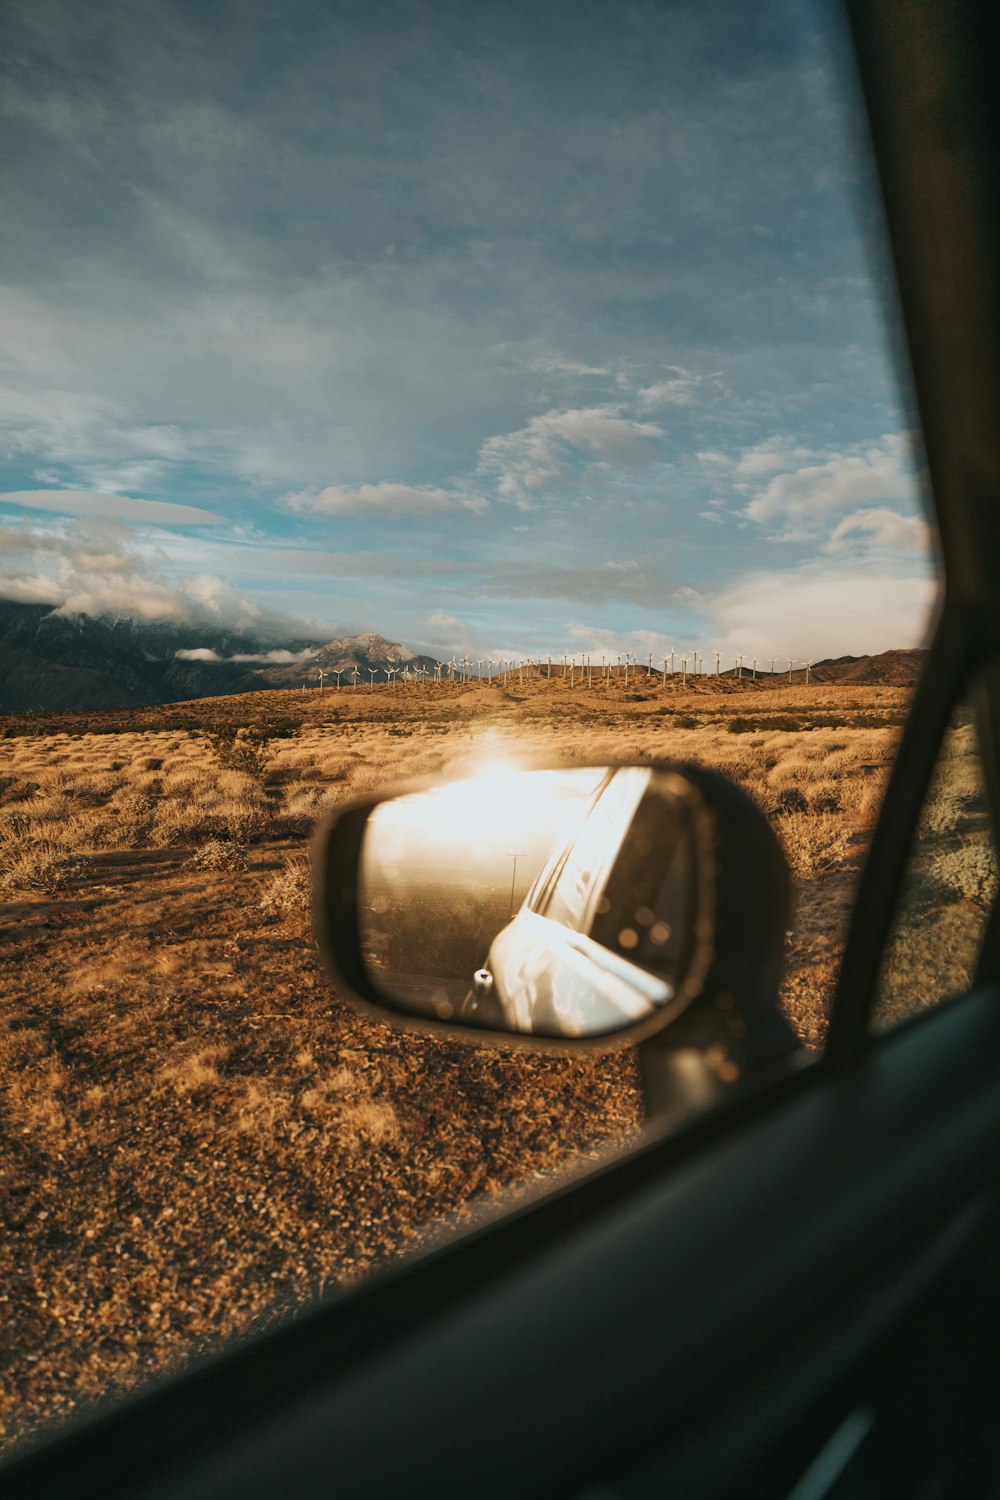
(625, 668)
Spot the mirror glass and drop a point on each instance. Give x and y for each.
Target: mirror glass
(555, 903)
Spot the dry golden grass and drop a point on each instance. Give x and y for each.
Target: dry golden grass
(201, 1135)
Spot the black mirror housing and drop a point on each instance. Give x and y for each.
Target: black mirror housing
(686, 837)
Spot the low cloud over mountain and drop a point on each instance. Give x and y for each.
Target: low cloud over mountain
(51, 660)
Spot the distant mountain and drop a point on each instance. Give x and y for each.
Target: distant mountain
(51, 662)
(365, 652)
(887, 669)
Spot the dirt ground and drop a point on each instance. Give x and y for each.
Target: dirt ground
(201, 1136)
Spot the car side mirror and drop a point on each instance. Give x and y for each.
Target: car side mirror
(562, 907)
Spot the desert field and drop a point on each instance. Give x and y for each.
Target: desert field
(201, 1137)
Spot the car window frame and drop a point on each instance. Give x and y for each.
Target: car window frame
(967, 637)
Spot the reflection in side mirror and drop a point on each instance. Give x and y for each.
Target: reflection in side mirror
(562, 904)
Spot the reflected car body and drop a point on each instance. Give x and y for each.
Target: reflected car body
(549, 976)
(552, 981)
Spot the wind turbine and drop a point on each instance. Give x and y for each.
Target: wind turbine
(789, 659)
(321, 672)
(355, 674)
(371, 673)
(755, 669)
(808, 665)
(718, 659)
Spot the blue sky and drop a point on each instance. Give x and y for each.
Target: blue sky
(515, 328)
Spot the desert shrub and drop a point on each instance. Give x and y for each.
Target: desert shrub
(135, 803)
(303, 804)
(289, 890)
(17, 788)
(861, 793)
(822, 794)
(945, 810)
(95, 787)
(240, 750)
(15, 826)
(218, 854)
(244, 819)
(279, 729)
(970, 872)
(785, 799)
(194, 1071)
(813, 842)
(35, 865)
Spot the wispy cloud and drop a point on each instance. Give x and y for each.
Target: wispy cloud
(385, 499)
(679, 388)
(605, 273)
(111, 507)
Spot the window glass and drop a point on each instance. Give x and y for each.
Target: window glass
(949, 889)
(575, 893)
(390, 392)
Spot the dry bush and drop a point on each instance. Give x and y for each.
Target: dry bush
(374, 776)
(813, 842)
(861, 794)
(289, 890)
(195, 1070)
(217, 854)
(243, 750)
(343, 1103)
(969, 871)
(261, 1108)
(35, 865)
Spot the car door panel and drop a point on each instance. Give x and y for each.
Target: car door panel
(684, 1334)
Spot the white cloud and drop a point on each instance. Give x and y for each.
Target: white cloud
(771, 456)
(679, 389)
(98, 567)
(273, 658)
(110, 507)
(540, 453)
(385, 499)
(438, 620)
(842, 481)
(821, 610)
(556, 364)
(881, 528)
(596, 641)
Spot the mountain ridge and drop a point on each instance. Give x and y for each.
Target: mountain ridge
(52, 661)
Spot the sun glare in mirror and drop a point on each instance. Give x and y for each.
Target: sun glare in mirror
(477, 828)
